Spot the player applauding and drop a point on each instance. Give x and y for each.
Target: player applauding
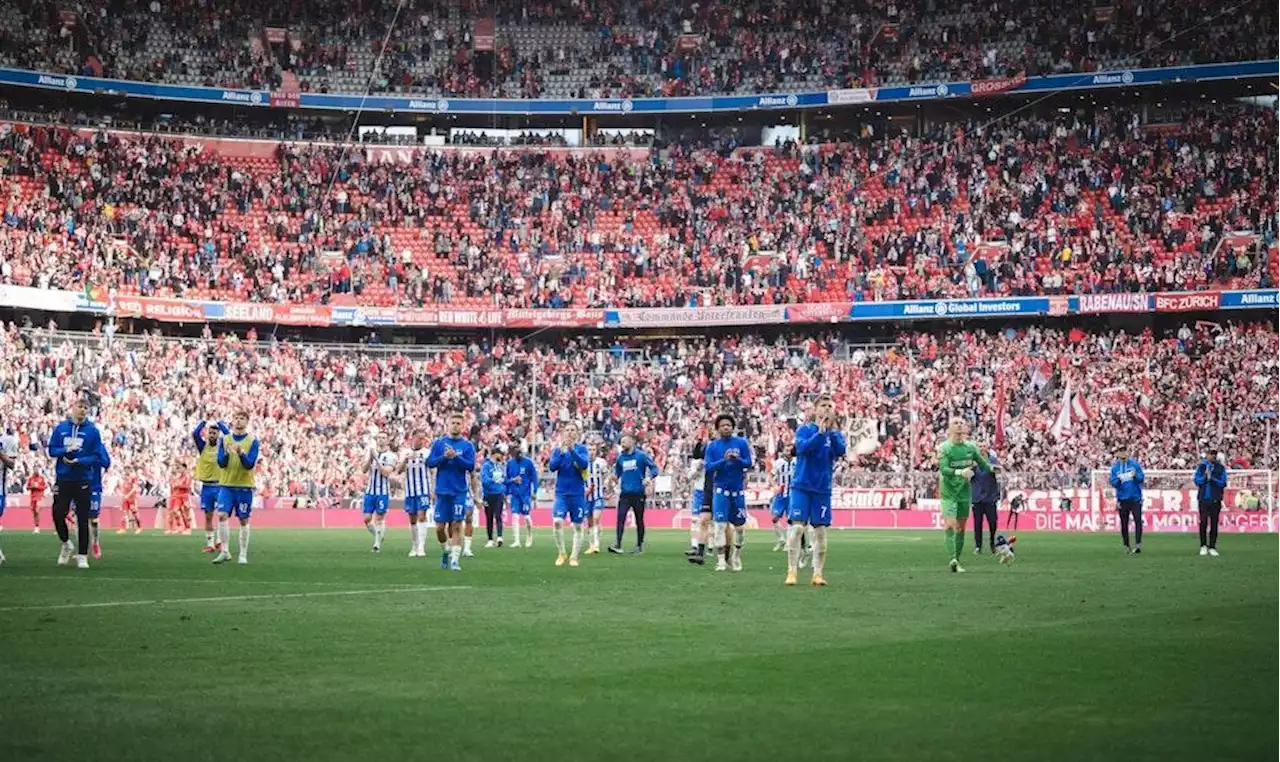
(569, 462)
(238, 459)
(377, 492)
(453, 458)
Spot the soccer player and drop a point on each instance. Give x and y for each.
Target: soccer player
(1211, 483)
(453, 458)
(179, 493)
(819, 444)
(698, 478)
(596, 474)
(569, 461)
(522, 488)
(635, 472)
(783, 469)
(377, 491)
(728, 460)
(95, 503)
(75, 445)
(957, 460)
(493, 481)
(8, 461)
(986, 494)
(238, 454)
(37, 485)
(205, 436)
(470, 499)
(1127, 480)
(417, 491)
(128, 507)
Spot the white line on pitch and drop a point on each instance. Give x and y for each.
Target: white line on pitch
(235, 598)
(180, 580)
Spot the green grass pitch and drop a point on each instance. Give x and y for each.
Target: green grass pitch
(320, 650)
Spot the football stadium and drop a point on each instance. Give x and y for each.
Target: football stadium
(558, 380)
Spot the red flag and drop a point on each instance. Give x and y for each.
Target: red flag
(1144, 399)
(998, 441)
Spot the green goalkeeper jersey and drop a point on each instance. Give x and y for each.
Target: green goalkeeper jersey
(954, 457)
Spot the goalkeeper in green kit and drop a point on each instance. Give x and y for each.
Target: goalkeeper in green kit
(957, 458)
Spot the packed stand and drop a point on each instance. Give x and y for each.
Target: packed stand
(1037, 206)
(566, 48)
(316, 407)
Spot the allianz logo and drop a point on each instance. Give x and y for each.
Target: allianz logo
(777, 100)
(1114, 78)
(928, 91)
(47, 80)
(436, 105)
(626, 105)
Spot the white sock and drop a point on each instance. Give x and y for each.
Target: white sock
(793, 546)
(528, 524)
(244, 541)
(558, 534)
(466, 544)
(413, 537)
(444, 547)
(369, 528)
(515, 527)
(819, 546)
(739, 536)
(208, 539)
(577, 539)
(595, 536)
(380, 532)
(455, 551)
(693, 532)
(780, 531)
(224, 534)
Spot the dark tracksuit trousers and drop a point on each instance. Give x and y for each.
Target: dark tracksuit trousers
(631, 503)
(66, 494)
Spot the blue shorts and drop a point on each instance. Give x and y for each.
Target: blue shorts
(2, 499)
(520, 505)
(573, 507)
(779, 507)
(95, 503)
(376, 504)
(209, 497)
(731, 509)
(595, 507)
(235, 500)
(415, 504)
(696, 507)
(468, 503)
(813, 508)
(450, 508)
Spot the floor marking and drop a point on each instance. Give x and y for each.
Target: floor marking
(235, 598)
(71, 575)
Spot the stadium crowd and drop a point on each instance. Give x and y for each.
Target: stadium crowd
(618, 49)
(317, 408)
(1058, 203)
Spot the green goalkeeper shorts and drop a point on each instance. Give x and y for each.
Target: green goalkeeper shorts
(954, 509)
